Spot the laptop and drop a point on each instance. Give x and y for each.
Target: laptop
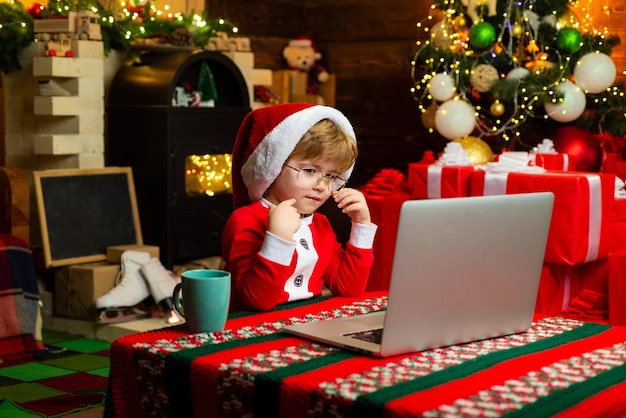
(464, 269)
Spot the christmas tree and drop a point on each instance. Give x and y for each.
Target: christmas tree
(510, 71)
(206, 85)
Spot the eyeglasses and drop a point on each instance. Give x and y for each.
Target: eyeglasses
(310, 177)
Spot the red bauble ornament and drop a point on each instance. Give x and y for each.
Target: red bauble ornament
(581, 144)
(35, 10)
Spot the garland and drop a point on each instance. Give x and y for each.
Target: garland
(119, 30)
(16, 33)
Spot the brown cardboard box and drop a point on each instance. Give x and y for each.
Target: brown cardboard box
(114, 253)
(77, 287)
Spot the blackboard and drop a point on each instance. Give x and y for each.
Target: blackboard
(84, 211)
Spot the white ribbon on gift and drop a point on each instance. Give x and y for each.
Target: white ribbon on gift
(595, 216)
(433, 183)
(453, 155)
(495, 184)
(567, 289)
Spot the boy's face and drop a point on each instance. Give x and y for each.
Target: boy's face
(302, 184)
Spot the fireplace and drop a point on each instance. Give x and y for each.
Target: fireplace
(180, 154)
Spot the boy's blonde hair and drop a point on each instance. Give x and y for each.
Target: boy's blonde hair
(326, 140)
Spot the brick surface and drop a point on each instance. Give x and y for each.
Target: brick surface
(88, 49)
(241, 59)
(64, 105)
(57, 144)
(67, 67)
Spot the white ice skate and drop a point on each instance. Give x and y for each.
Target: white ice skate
(119, 304)
(161, 283)
(52, 88)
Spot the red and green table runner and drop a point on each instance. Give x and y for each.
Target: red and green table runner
(559, 367)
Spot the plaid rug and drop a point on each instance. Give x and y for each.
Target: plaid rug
(69, 376)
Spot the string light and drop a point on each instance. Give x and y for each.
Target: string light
(445, 47)
(208, 174)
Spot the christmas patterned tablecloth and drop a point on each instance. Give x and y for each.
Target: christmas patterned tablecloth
(559, 367)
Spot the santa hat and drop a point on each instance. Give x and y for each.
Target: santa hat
(267, 137)
(303, 41)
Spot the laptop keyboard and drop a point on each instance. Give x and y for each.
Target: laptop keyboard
(372, 336)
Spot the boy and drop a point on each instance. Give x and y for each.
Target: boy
(287, 161)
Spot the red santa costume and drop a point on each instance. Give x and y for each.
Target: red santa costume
(266, 270)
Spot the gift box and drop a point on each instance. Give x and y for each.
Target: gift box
(431, 181)
(77, 287)
(614, 163)
(580, 291)
(619, 225)
(617, 288)
(114, 252)
(559, 161)
(385, 212)
(582, 218)
(384, 193)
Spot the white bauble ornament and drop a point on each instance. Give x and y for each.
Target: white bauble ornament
(595, 72)
(441, 87)
(573, 105)
(518, 73)
(455, 119)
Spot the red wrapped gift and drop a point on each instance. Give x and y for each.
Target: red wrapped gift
(384, 193)
(579, 291)
(582, 219)
(619, 226)
(614, 163)
(617, 288)
(559, 161)
(431, 181)
(385, 212)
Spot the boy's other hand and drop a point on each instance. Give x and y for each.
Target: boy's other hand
(284, 220)
(352, 202)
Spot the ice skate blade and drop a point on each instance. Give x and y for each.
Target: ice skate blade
(114, 316)
(173, 318)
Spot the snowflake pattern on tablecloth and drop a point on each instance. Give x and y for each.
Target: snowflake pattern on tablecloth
(426, 362)
(236, 378)
(155, 400)
(514, 394)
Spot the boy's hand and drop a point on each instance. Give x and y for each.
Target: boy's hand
(352, 202)
(284, 220)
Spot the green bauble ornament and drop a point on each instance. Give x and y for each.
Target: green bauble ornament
(482, 35)
(569, 40)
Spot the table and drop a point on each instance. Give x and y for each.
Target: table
(560, 367)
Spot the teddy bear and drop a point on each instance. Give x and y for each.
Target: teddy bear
(301, 54)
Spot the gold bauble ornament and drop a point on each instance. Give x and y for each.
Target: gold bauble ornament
(497, 108)
(478, 151)
(428, 116)
(517, 30)
(441, 35)
(460, 22)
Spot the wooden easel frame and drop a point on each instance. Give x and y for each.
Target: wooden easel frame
(50, 258)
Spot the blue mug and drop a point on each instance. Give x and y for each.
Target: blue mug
(205, 299)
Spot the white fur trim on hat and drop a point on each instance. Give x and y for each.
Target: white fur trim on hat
(301, 43)
(266, 161)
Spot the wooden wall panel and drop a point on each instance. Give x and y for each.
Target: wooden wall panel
(365, 21)
(266, 18)
(368, 45)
